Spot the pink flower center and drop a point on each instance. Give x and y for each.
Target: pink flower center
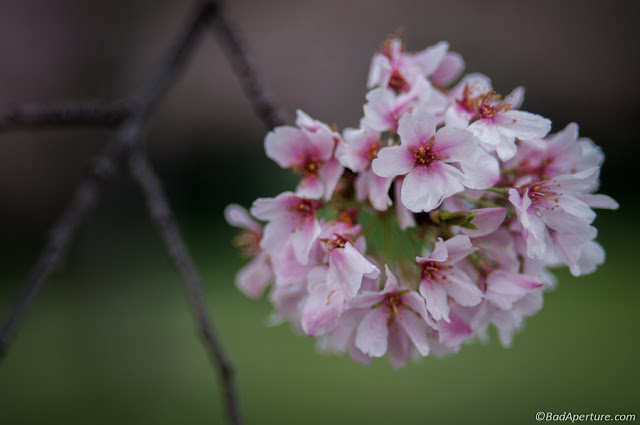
(394, 304)
(542, 197)
(340, 241)
(424, 154)
(309, 167)
(397, 82)
(528, 166)
(487, 107)
(303, 209)
(467, 102)
(434, 271)
(348, 216)
(248, 242)
(372, 150)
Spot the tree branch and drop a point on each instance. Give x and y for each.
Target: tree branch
(104, 166)
(242, 64)
(165, 223)
(68, 114)
(126, 145)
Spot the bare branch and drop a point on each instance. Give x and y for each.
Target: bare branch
(126, 145)
(104, 165)
(62, 232)
(163, 218)
(241, 61)
(63, 115)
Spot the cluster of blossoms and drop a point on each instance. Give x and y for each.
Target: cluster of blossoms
(438, 216)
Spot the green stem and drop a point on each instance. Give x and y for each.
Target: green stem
(499, 190)
(480, 202)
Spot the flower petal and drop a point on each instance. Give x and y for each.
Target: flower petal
(436, 298)
(253, 278)
(238, 216)
(416, 127)
(393, 161)
(286, 145)
(424, 188)
(505, 288)
(322, 310)
(523, 125)
(371, 337)
(416, 329)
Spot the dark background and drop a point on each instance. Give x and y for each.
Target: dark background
(111, 340)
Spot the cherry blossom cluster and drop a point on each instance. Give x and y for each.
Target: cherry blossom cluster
(435, 218)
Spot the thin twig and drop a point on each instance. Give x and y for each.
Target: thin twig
(83, 200)
(125, 144)
(104, 165)
(63, 115)
(233, 45)
(163, 218)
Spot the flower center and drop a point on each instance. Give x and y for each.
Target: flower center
(543, 197)
(303, 208)
(487, 107)
(424, 154)
(348, 216)
(467, 102)
(340, 241)
(394, 304)
(373, 149)
(311, 167)
(248, 242)
(397, 82)
(434, 271)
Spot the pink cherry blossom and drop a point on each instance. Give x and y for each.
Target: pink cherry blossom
(347, 266)
(561, 204)
(464, 99)
(308, 151)
(357, 152)
(384, 108)
(504, 288)
(441, 279)
(428, 173)
(397, 70)
(324, 304)
(454, 331)
(292, 221)
(499, 124)
(253, 278)
(437, 164)
(448, 70)
(559, 154)
(397, 320)
(507, 321)
(343, 337)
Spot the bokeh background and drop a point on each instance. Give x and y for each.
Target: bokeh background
(111, 339)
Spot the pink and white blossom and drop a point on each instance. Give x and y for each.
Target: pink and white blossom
(504, 288)
(561, 205)
(437, 164)
(359, 149)
(396, 322)
(465, 197)
(384, 108)
(499, 124)
(292, 221)
(308, 151)
(253, 278)
(398, 70)
(440, 279)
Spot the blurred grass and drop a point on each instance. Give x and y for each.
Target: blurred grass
(111, 340)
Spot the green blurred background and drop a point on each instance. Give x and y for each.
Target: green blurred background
(111, 338)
